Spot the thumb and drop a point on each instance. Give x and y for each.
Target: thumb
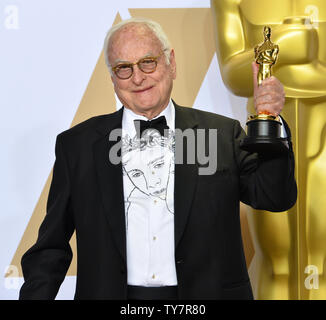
(255, 68)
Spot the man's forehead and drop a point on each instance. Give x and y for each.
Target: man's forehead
(133, 32)
(146, 55)
(135, 28)
(135, 35)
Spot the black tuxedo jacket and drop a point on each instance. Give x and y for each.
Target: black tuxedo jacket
(86, 195)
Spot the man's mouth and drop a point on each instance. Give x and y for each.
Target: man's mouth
(158, 192)
(142, 90)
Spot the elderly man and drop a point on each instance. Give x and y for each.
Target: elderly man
(149, 227)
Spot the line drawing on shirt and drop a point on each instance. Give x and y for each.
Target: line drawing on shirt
(148, 162)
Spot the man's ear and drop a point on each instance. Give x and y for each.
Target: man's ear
(173, 64)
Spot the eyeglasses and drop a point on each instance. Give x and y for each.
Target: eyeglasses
(147, 65)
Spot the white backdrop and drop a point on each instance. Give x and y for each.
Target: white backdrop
(48, 52)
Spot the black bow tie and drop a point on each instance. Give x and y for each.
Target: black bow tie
(159, 124)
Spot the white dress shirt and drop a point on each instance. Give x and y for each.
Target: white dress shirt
(148, 182)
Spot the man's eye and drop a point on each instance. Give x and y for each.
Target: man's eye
(136, 173)
(148, 61)
(159, 165)
(123, 66)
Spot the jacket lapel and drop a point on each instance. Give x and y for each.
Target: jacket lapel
(185, 176)
(110, 180)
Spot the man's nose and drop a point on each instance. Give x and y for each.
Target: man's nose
(154, 182)
(138, 76)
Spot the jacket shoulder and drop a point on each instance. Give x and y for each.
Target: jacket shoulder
(83, 126)
(208, 119)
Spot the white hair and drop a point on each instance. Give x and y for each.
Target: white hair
(152, 25)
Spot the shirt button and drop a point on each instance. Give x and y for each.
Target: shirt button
(154, 238)
(153, 276)
(155, 201)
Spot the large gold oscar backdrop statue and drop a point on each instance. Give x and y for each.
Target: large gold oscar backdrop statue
(290, 247)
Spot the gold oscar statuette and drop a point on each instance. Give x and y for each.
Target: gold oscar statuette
(264, 129)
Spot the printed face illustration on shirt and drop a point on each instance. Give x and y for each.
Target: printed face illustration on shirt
(152, 177)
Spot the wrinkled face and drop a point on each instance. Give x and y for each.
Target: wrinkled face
(143, 93)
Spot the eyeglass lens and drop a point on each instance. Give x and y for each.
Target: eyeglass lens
(147, 65)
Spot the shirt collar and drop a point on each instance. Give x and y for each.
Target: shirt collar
(129, 116)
